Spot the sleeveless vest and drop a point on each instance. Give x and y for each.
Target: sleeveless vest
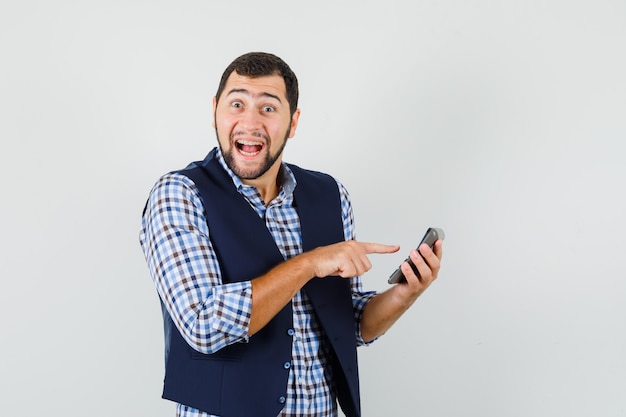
(250, 379)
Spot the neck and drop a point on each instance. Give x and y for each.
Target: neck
(268, 184)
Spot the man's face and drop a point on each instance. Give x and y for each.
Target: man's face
(253, 122)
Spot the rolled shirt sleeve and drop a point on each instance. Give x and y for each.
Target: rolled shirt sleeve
(182, 263)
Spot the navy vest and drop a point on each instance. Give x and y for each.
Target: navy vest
(250, 379)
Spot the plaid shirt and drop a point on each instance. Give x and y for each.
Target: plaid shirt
(210, 314)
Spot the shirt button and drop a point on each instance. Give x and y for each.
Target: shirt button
(282, 400)
(287, 365)
(291, 332)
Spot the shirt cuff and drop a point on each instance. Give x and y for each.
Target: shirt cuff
(231, 308)
(359, 301)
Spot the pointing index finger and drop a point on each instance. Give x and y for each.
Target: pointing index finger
(370, 247)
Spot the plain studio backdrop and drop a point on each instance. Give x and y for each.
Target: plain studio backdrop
(502, 122)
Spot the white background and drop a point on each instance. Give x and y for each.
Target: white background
(501, 121)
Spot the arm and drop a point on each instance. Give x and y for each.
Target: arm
(272, 291)
(376, 313)
(384, 309)
(185, 271)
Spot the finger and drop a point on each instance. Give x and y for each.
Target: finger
(370, 247)
(409, 273)
(361, 265)
(353, 263)
(439, 248)
(429, 263)
(429, 256)
(420, 264)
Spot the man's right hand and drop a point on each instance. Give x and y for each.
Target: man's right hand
(345, 259)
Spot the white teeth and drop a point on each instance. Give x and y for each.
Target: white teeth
(249, 142)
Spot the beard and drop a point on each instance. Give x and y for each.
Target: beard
(252, 173)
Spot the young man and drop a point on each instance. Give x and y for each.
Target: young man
(256, 266)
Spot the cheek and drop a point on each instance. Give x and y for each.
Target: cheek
(223, 134)
(280, 129)
(224, 125)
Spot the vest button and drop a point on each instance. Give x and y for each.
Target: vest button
(282, 400)
(287, 365)
(291, 332)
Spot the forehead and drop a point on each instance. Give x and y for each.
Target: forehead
(272, 85)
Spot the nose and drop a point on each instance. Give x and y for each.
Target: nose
(250, 120)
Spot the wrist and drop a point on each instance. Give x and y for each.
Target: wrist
(304, 266)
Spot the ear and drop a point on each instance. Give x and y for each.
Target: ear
(294, 123)
(214, 108)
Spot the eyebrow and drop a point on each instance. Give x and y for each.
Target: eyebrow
(247, 92)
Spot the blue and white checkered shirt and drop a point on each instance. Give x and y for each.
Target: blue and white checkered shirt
(210, 314)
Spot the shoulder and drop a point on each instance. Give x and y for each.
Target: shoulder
(173, 183)
(173, 191)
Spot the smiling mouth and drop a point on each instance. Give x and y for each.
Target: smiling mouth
(249, 147)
